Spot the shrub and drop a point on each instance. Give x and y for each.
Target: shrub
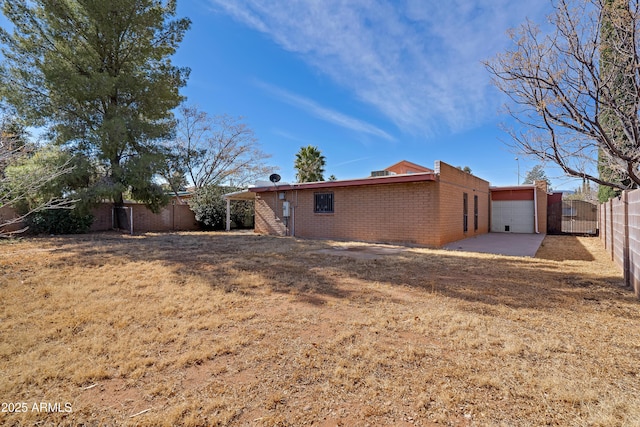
(211, 209)
(59, 221)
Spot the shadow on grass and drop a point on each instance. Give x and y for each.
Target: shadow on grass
(304, 270)
(564, 248)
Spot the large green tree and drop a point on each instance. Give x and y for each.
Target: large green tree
(309, 164)
(98, 74)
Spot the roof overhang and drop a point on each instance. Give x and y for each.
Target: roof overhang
(240, 195)
(514, 187)
(379, 180)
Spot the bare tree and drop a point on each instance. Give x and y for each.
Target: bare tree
(576, 89)
(213, 150)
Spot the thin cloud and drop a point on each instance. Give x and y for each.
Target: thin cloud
(324, 113)
(417, 62)
(348, 162)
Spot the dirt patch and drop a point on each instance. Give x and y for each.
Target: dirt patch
(363, 251)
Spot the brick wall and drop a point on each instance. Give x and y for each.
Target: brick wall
(170, 218)
(268, 215)
(382, 213)
(7, 214)
(453, 183)
(542, 205)
(426, 213)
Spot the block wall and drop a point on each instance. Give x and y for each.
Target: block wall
(170, 218)
(620, 234)
(633, 220)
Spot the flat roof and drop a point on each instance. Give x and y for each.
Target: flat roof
(375, 180)
(514, 187)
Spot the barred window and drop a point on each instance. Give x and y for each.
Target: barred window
(323, 203)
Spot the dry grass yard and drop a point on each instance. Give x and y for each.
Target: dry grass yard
(243, 330)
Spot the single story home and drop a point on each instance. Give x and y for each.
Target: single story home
(405, 203)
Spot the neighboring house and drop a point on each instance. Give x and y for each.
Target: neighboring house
(402, 168)
(405, 203)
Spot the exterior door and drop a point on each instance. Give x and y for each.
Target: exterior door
(512, 216)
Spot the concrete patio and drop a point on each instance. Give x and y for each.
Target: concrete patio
(512, 244)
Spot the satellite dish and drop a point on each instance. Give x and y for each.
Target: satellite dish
(274, 177)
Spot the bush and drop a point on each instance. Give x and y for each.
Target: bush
(211, 209)
(59, 221)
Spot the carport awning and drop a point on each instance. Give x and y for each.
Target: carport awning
(236, 195)
(240, 195)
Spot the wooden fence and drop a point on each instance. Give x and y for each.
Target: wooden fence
(620, 233)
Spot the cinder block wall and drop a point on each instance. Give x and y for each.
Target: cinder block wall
(393, 213)
(453, 184)
(618, 234)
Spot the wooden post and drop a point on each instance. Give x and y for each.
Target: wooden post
(228, 227)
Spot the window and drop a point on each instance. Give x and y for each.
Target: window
(475, 213)
(465, 212)
(323, 203)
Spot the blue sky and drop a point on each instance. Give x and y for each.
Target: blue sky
(369, 82)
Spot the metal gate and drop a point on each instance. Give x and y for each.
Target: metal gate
(572, 217)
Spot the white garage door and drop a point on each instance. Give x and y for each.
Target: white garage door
(512, 216)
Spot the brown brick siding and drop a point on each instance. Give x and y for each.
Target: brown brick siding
(426, 213)
(268, 215)
(382, 213)
(453, 184)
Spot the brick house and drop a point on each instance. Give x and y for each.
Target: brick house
(405, 203)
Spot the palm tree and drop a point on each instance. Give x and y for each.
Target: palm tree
(309, 164)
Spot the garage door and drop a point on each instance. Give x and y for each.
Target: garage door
(512, 216)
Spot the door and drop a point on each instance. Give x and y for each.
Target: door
(512, 216)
